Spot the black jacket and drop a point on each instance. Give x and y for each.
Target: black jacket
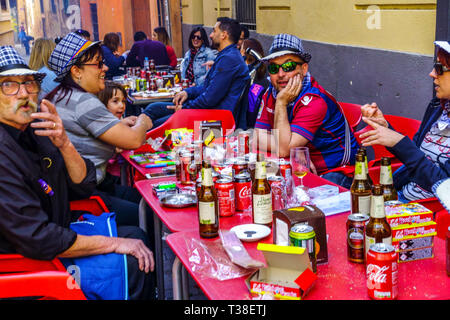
(33, 222)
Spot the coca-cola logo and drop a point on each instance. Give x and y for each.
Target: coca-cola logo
(245, 192)
(376, 276)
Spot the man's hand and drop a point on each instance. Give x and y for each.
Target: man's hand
(372, 112)
(291, 91)
(137, 249)
(178, 100)
(51, 125)
(208, 64)
(379, 135)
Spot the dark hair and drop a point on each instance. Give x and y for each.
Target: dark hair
(444, 57)
(111, 41)
(67, 83)
(139, 36)
(163, 36)
(203, 35)
(246, 32)
(232, 27)
(83, 33)
(249, 59)
(107, 93)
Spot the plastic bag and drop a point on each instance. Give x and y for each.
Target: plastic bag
(236, 251)
(208, 259)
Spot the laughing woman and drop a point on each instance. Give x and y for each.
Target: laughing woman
(427, 157)
(94, 131)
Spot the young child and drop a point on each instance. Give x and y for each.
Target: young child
(114, 97)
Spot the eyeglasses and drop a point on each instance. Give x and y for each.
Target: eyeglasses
(287, 67)
(99, 64)
(440, 68)
(196, 37)
(11, 88)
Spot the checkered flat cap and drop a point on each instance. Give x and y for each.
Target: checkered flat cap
(67, 52)
(284, 44)
(12, 64)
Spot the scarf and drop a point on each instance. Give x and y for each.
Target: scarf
(190, 68)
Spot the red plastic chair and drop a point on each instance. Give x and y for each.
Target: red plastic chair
(352, 113)
(49, 280)
(185, 118)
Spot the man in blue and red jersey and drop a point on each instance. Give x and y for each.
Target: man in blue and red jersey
(303, 112)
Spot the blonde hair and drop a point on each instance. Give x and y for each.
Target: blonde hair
(42, 49)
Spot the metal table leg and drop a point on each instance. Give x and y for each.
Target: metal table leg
(159, 265)
(180, 281)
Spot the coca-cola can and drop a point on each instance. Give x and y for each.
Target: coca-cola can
(225, 197)
(243, 143)
(243, 191)
(277, 186)
(382, 272)
(239, 166)
(285, 169)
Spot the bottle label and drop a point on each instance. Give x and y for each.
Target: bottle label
(364, 204)
(262, 208)
(206, 212)
(377, 207)
(360, 171)
(386, 175)
(260, 170)
(369, 241)
(207, 179)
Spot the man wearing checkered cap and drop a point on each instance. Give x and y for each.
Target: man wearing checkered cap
(40, 172)
(303, 112)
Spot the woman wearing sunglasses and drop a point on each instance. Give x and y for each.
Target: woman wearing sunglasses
(426, 158)
(193, 66)
(94, 131)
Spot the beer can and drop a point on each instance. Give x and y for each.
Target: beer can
(303, 235)
(382, 272)
(243, 191)
(277, 186)
(356, 224)
(225, 196)
(239, 166)
(243, 143)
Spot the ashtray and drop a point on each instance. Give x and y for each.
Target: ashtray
(251, 232)
(178, 200)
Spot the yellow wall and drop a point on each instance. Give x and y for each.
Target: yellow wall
(400, 25)
(192, 11)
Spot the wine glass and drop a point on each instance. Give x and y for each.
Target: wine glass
(300, 163)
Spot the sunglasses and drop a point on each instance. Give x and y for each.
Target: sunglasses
(440, 68)
(196, 38)
(287, 67)
(99, 64)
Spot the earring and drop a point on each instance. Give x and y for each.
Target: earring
(79, 80)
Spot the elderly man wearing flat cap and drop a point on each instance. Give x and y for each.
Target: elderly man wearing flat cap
(303, 112)
(40, 172)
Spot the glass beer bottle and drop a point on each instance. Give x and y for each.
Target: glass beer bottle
(361, 188)
(261, 194)
(364, 152)
(377, 229)
(208, 208)
(386, 182)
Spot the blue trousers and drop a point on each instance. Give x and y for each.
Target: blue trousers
(158, 112)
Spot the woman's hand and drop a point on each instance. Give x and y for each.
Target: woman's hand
(372, 112)
(379, 135)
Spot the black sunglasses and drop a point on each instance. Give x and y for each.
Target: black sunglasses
(287, 67)
(98, 64)
(440, 68)
(196, 37)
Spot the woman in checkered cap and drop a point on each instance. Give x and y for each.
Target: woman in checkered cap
(427, 157)
(94, 131)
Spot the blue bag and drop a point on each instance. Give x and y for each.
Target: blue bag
(104, 276)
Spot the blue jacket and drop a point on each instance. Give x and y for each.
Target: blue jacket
(223, 84)
(113, 62)
(204, 54)
(417, 168)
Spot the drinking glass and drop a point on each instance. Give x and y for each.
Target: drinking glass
(300, 163)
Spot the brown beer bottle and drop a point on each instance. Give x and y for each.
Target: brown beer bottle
(377, 229)
(364, 152)
(208, 208)
(361, 188)
(261, 194)
(386, 182)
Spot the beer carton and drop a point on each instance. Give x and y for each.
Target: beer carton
(414, 231)
(288, 275)
(406, 214)
(285, 219)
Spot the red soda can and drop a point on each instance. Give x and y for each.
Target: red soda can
(243, 143)
(239, 166)
(225, 197)
(382, 272)
(185, 172)
(277, 186)
(285, 169)
(243, 191)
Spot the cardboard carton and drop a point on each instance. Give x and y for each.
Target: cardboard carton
(288, 275)
(285, 219)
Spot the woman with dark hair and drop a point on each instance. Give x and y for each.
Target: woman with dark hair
(94, 131)
(192, 67)
(426, 158)
(113, 60)
(160, 34)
